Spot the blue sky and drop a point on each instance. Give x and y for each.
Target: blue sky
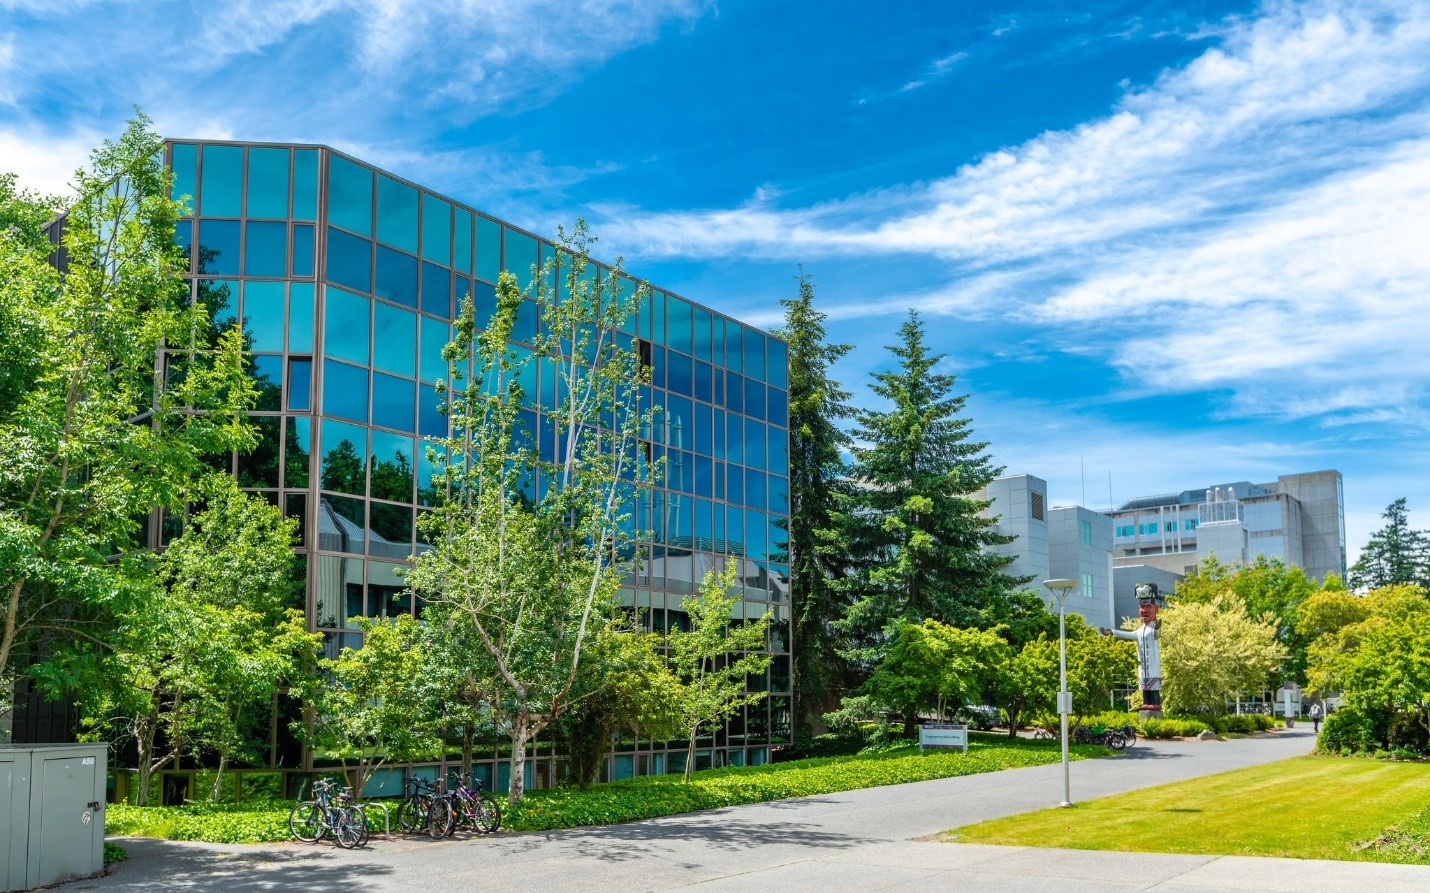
(1164, 245)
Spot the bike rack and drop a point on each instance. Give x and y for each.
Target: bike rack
(386, 817)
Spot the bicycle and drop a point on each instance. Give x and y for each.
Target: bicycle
(1112, 738)
(329, 813)
(415, 811)
(473, 806)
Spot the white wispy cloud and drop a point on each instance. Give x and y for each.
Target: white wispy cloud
(1253, 220)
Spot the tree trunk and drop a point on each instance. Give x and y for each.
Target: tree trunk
(520, 734)
(218, 777)
(468, 733)
(911, 719)
(690, 753)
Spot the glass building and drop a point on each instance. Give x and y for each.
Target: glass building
(345, 279)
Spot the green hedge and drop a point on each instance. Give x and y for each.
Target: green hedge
(632, 799)
(1172, 728)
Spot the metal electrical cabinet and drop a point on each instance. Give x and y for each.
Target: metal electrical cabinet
(51, 813)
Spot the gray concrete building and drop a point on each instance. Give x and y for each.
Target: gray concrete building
(1298, 518)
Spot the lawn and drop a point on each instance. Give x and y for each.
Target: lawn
(632, 799)
(1305, 808)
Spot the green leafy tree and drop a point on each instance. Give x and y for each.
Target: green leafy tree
(817, 556)
(913, 521)
(1267, 587)
(1097, 667)
(526, 548)
(1394, 554)
(373, 704)
(934, 666)
(1341, 623)
(715, 658)
(92, 435)
(1028, 682)
(209, 635)
(1213, 652)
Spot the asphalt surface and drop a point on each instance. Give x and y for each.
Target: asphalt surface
(869, 840)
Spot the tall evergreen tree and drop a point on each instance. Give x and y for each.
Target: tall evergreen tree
(817, 474)
(1394, 554)
(913, 520)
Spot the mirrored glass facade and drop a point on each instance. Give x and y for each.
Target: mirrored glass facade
(345, 279)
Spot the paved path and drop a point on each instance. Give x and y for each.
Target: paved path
(867, 840)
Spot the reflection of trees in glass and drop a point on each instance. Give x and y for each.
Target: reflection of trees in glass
(295, 461)
(217, 299)
(259, 467)
(343, 468)
(392, 478)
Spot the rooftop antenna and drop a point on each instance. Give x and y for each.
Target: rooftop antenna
(1082, 470)
(1111, 506)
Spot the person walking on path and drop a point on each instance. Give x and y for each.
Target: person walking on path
(1316, 718)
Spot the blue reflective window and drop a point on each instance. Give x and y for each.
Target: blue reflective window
(717, 434)
(394, 345)
(777, 458)
(426, 469)
(704, 382)
(756, 548)
(701, 344)
(431, 422)
(299, 440)
(435, 336)
(349, 195)
(184, 238)
(436, 230)
(436, 290)
(218, 247)
(527, 315)
(658, 366)
(703, 421)
(754, 354)
(734, 347)
(704, 525)
(300, 385)
(779, 363)
(704, 476)
(396, 214)
(779, 495)
(519, 257)
(754, 442)
(344, 391)
(734, 392)
(396, 277)
(344, 459)
(755, 488)
(488, 249)
(221, 182)
(734, 438)
(734, 483)
(754, 398)
(265, 249)
(677, 324)
(302, 249)
(778, 406)
(391, 467)
(345, 326)
(678, 421)
(349, 260)
(657, 316)
(722, 535)
(720, 479)
(219, 299)
(267, 183)
(484, 303)
(185, 165)
(263, 316)
(394, 402)
(268, 376)
(300, 317)
(305, 184)
(462, 242)
(679, 372)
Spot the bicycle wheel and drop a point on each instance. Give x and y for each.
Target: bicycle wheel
(345, 828)
(441, 818)
(305, 822)
(1130, 733)
(488, 814)
(412, 814)
(1115, 740)
(364, 832)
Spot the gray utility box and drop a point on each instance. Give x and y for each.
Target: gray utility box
(51, 813)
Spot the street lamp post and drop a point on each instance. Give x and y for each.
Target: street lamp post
(1060, 589)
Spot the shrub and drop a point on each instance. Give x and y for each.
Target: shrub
(1349, 731)
(1172, 728)
(113, 852)
(260, 822)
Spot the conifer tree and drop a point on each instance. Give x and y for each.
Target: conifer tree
(817, 474)
(912, 521)
(1395, 554)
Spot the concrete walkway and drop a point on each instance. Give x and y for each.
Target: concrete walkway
(869, 840)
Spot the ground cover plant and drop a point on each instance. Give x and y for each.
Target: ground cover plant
(631, 799)
(1381, 813)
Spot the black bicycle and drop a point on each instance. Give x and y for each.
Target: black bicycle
(330, 813)
(1107, 737)
(464, 805)
(415, 812)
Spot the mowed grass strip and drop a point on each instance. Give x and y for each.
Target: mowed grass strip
(1305, 808)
